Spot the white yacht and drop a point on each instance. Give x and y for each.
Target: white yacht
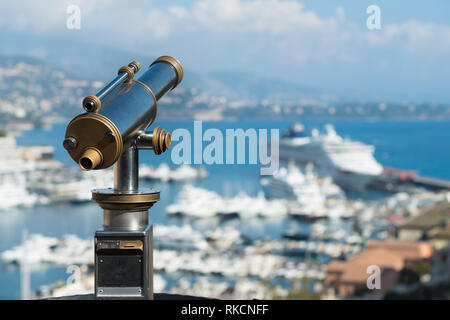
(11, 158)
(308, 197)
(195, 202)
(13, 193)
(164, 173)
(14, 170)
(39, 249)
(350, 163)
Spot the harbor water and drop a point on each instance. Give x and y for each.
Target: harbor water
(417, 146)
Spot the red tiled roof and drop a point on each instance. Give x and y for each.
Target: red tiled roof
(384, 254)
(405, 249)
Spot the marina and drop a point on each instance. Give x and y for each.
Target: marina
(286, 242)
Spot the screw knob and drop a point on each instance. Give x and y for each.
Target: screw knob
(70, 143)
(161, 140)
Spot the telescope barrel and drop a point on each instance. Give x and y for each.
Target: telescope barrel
(93, 103)
(111, 86)
(123, 74)
(95, 140)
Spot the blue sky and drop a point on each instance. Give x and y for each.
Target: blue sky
(323, 44)
(434, 11)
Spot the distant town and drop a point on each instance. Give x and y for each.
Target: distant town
(35, 94)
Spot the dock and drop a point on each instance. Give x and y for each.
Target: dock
(398, 180)
(432, 183)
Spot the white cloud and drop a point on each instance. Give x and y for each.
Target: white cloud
(413, 36)
(39, 17)
(271, 16)
(276, 20)
(178, 11)
(278, 37)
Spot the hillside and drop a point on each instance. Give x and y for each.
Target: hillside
(34, 90)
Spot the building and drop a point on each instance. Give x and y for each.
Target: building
(391, 257)
(432, 224)
(440, 238)
(37, 153)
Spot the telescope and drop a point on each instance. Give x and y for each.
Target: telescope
(110, 133)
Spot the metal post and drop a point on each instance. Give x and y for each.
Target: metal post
(126, 241)
(126, 171)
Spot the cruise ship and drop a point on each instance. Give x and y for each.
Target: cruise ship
(350, 163)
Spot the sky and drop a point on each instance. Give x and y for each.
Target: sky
(319, 43)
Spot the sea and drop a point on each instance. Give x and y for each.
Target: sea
(420, 146)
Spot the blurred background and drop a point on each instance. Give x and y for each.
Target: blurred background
(358, 91)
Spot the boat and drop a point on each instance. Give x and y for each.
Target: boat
(14, 193)
(178, 238)
(69, 186)
(297, 236)
(350, 163)
(164, 173)
(307, 196)
(29, 176)
(39, 249)
(195, 202)
(12, 160)
(226, 238)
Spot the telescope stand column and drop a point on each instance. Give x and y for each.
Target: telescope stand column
(124, 248)
(126, 171)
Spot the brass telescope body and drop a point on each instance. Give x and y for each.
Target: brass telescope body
(95, 140)
(112, 132)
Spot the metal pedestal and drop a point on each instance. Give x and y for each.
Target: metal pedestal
(124, 248)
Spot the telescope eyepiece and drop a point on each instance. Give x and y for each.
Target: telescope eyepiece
(89, 106)
(90, 159)
(91, 103)
(86, 163)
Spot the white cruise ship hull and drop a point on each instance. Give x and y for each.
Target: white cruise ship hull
(346, 179)
(352, 180)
